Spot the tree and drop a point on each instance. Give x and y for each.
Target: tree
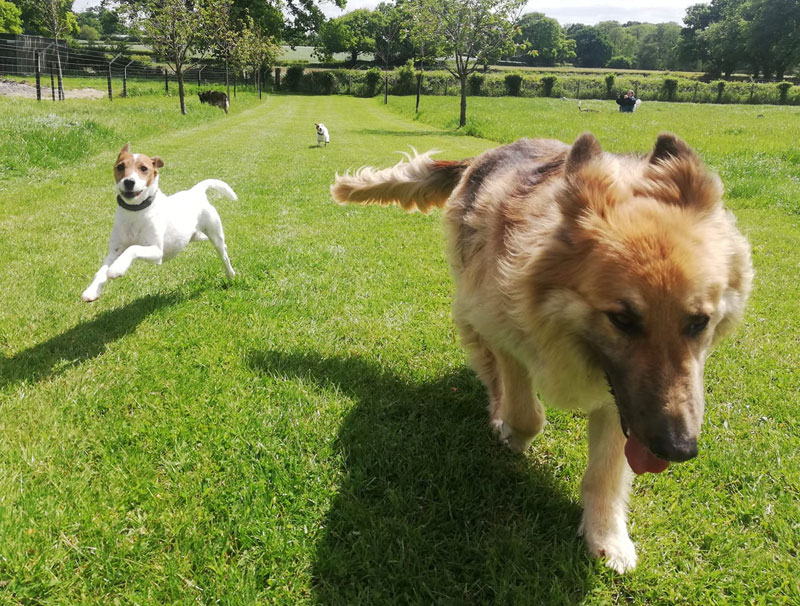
(471, 31)
(658, 48)
(58, 20)
(253, 50)
(623, 42)
(591, 47)
(10, 18)
(352, 33)
(544, 40)
(773, 34)
(179, 31)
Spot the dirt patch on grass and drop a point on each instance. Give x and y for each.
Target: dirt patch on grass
(23, 89)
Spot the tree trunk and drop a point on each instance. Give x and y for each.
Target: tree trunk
(179, 74)
(462, 121)
(60, 77)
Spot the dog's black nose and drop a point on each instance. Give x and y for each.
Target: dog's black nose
(129, 183)
(674, 448)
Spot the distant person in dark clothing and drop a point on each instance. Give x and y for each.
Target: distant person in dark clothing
(627, 103)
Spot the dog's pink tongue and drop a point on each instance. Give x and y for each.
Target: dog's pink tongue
(641, 459)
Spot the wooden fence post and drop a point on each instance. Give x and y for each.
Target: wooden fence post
(53, 83)
(38, 77)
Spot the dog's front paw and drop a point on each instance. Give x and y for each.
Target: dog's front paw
(509, 438)
(90, 294)
(616, 549)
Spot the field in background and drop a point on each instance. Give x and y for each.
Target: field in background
(310, 433)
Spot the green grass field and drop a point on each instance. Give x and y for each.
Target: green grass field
(310, 433)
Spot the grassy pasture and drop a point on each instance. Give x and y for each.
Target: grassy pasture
(309, 433)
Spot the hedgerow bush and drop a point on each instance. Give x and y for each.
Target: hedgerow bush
(648, 87)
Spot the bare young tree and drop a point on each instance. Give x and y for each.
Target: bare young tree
(58, 20)
(471, 33)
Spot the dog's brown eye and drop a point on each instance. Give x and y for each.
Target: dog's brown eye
(143, 169)
(120, 167)
(624, 321)
(698, 324)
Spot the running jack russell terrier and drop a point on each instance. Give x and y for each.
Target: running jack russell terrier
(152, 226)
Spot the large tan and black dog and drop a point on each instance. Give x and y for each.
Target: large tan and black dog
(598, 281)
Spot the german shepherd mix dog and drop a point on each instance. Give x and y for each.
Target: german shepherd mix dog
(598, 282)
(216, 98)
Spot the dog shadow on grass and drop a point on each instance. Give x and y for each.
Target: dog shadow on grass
(82, 342)
(431, 509)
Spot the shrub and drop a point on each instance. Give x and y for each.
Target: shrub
(476, 83)
(610, 79)
(619, 62)
(669, 87)
(548, 82)
(783, 89)
(322, 83)
(372, 80)
(406, 80)
(513, 84)
(294, 76)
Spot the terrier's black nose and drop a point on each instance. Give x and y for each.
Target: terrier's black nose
(129, 183)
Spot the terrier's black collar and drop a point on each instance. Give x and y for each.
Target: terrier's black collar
(135, 207)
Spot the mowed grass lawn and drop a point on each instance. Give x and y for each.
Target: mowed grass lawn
(310, 433)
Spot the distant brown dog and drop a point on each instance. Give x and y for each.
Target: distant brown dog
(599, 282)
(216, 98)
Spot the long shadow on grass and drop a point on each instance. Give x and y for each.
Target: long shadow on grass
(409, 133)
(82, 342)
(431, 510)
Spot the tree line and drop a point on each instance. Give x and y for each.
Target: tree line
(461, 36)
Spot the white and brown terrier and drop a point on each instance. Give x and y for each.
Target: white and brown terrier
(323, 136)
(152, 226)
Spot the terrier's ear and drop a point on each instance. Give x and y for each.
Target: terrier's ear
(157, 162)
(584, 149)
(126, 149)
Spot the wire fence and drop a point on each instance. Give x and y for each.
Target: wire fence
(37, 57)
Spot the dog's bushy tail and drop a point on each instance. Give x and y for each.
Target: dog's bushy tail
(420, 183)
(218, 186)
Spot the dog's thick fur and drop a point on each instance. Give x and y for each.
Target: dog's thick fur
(596, 281)
(152, 226)
(216, 98)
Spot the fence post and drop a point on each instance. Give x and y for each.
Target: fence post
(53, 84)
(109, 75)
(694, 95)
(38, 78)
(578, 92)
(166, 81)
(752, 90)
(277, 78)
(199, 72)
(125, 79)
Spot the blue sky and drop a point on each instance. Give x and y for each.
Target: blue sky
(565, 11)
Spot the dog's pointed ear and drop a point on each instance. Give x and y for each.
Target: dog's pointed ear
(669, 146)
(157, 162)
(676, 175)
(585, 148)
(126, 149)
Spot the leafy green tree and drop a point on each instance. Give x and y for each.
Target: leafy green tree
(470, 32)
(544, 40)
(10, 18)
(104, 20)
(179, 31)
(591, 46)
(352, 33)
(773, 35)
(658, 49)
(623, 42)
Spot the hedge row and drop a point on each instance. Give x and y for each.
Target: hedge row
(403, 81)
